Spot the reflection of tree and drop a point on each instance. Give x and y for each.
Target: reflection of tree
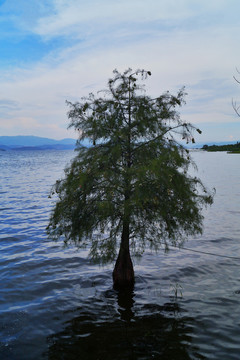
(125, 303)
(133, 337)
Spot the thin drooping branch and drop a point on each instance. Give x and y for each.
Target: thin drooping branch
(236, 108)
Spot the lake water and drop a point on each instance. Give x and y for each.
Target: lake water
(55, 304)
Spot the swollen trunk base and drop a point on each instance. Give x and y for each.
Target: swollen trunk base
(123, 273)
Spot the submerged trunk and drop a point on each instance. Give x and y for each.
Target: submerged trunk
(123, 273)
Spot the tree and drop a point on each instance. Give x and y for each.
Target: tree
(130, 188)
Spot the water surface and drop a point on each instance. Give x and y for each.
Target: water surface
(55, 304)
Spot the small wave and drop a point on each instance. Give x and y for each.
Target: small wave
(10, 239)
(220, 240)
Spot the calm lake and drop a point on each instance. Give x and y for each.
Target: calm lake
(55, 304)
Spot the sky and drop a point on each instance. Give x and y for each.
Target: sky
(58, 50)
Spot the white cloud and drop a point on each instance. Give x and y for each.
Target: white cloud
(84, 19)
(73, 16)
(173, 39)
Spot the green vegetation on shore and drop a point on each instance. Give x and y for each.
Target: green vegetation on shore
(230, 148)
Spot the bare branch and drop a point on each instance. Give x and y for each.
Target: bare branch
(236, 80)
(236, 108)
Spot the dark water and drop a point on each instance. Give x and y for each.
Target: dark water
(54, 304)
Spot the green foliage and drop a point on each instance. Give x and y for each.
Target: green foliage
(134, 174)
(229, 147)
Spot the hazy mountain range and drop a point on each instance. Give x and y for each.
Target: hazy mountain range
(41, 143)
(36, 143)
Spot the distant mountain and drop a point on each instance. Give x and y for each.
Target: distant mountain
(4, 147)
(32, 141)
(36, 143)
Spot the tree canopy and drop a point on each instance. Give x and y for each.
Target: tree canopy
(131, 187)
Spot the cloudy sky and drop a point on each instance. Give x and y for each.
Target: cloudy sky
(57, 50)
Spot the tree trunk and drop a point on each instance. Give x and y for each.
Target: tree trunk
(123, 273)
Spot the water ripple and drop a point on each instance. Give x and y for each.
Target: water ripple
(55, 304)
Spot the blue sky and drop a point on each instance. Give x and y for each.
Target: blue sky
(57, 50)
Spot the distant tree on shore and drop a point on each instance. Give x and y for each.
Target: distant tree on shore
(228, 147)
(131, 188)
